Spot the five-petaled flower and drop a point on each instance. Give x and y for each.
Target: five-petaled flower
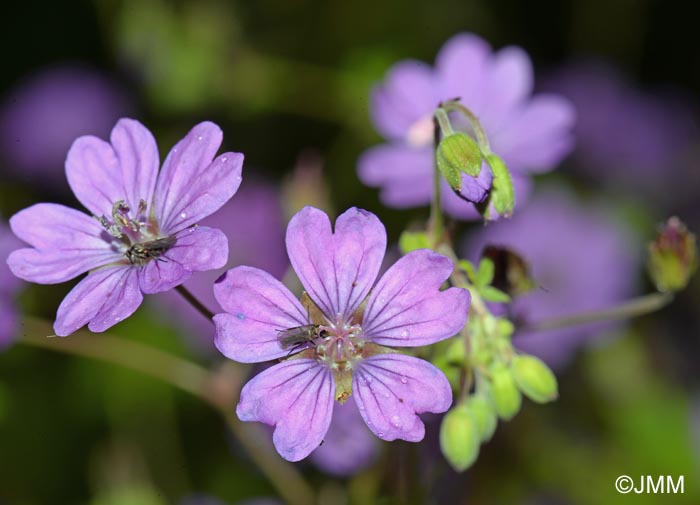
(142, 236)
(530, 133)
(351, 325)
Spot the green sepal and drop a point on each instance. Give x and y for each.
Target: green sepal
(460, 438)
(504, 392)
(534, 378)
(491, 294)
(458, 153)
(502, 195)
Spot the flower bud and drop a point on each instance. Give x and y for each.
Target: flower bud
(673, 256)
(485, 415)
(459, 438)
(458, 153)
(502, 196)
(534, 378)
(504, 391)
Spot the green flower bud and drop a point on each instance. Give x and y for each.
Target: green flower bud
(673, 257)
(504, 391)
(534, 378)
(485, 415)
(502, 196)
(458, 153)
(459, 438)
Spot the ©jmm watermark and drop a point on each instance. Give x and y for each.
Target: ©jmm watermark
(650, 484)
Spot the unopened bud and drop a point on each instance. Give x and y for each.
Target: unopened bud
(673, 256)
(459, 438)
(502, 196)
(485, 415)
(504, 391)
(534, 378)
(458, 153)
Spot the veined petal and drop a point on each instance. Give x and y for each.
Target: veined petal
(101, 174)
(296, 397)
(391, 389)
(407, 308)
(192, 184)
(162, 274)
(336, 269)
(68, 243)
(101, 300)
(258, 307)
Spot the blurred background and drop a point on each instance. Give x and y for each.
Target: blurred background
(289, 81)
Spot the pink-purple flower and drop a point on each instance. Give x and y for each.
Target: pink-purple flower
(351, 322)
(142, 235)
(530, 133)
(9, 285)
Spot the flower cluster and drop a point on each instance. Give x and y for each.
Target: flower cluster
(142, 236)
(347, 332)
(530, 133)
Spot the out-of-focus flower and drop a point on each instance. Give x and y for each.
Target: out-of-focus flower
(530, 133)
(624, 136)
(348, 446)
(142, 237)
(673, 256)
(47, 111)
(253, 222)
(581, 260)
(340, 338)
(9, 285)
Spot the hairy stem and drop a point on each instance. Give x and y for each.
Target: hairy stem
(637, 307)
(194, 301)
(481, 138)
(436, 219)
(189, 377)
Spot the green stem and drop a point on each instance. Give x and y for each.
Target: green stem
(479, 132)
(194, 301)
(189, 377)
(436, 219)
(633, 308)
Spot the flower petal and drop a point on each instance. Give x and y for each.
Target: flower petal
(68, 243)
(407, 94)
(407, 308)
(461, 63)
(257, 307)
(296, 397)
(8, 318)
(162, 274)
(336, 269)
(101, 174)
(192, 184)
(403, 174)
(102, 299)
(391, 389)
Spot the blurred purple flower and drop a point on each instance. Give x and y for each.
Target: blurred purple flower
(405, 309)
(9, 285)
(580, 259)
(348, 446)
(145, 240)
(253, 222)
(45, 112)
(625, 136)
(531, 133)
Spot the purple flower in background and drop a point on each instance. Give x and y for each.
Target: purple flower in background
(44, 113)
(530, 133)
(254, 222)
(344, 351)
(580, 259)
(9, 285)
(348, 446)
(625, 136)
(142, 237)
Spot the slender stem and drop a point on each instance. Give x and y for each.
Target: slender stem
(194, 301)
(436, 220)
(479, 132)
(633, 308)
(189, 377)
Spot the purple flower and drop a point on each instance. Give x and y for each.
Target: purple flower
(581, 260)
(254, 222)
(142, 236)
(348, 446)
(44, 113)
(530, 133)
(347, 334)
(9, 285)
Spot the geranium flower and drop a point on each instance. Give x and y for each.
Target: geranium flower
(349, 330)
(142, 236)
(530, 133)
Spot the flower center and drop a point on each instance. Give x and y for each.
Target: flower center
(420, 134)
(135, 234)
(342, 344)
